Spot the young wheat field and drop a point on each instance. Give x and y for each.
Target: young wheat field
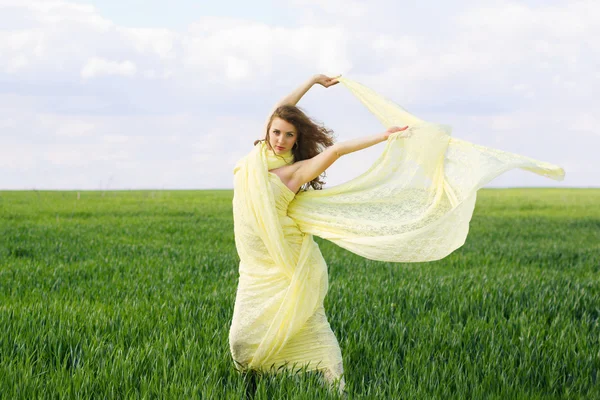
(129, 294)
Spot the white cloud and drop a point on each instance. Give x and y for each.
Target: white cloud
(19, 48)
(74, 129)
(160, 42)
(248, 50)
(16, 157)
(348, 8)
(97, 66)
(116, 138)
(63, 12)
(237, 68)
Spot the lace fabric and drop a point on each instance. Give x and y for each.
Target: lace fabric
(416, 201)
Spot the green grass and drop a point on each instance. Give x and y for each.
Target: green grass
(129, 294)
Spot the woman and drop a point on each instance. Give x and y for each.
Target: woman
(269, 294)
(413, 205)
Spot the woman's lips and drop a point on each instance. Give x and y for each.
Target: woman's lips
(280, 148)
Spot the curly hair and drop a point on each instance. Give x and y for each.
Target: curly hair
(312, 138)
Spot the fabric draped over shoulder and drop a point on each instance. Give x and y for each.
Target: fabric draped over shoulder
(414, 204)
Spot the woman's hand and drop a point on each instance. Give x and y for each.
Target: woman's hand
(326, 81)
(394, 129)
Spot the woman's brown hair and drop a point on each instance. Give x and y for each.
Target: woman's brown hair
(312, 137)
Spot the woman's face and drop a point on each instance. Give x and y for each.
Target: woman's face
(282, 136)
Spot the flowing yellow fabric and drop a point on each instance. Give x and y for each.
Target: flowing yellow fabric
(413, 204)
(416, 201)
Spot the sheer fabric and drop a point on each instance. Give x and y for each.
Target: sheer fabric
(413, 204)
(416, 201)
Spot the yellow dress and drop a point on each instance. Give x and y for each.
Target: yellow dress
(414, 204)
(265, 296)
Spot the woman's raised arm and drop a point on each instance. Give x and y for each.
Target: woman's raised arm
(294, 97)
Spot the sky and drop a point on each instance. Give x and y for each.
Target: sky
(132, 94)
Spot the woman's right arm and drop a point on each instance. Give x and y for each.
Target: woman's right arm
(310, 169)
(294, 97)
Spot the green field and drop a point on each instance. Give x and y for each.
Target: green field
(129, 294)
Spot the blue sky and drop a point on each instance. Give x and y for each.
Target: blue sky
(143, 94)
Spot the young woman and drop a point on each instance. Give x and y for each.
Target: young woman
(279, 319)
(413, 204)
